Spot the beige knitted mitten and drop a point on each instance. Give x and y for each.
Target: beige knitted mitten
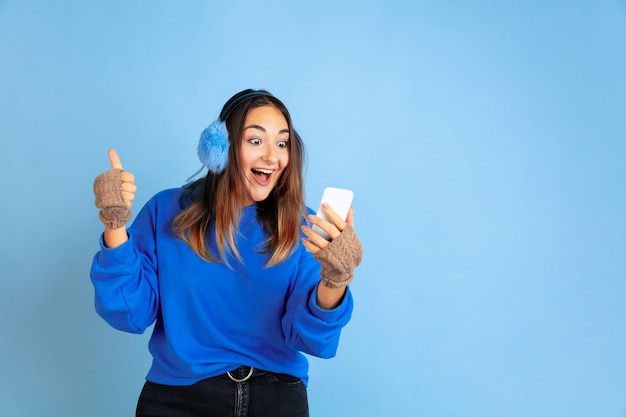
(339, 259)
(107, 188)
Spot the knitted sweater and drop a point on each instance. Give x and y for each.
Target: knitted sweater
(209, 318)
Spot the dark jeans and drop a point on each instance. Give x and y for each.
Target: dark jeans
(264, 394)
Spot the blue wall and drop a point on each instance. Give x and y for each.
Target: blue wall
(485, 142)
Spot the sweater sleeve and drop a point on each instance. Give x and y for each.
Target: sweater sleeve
(307, 327)
(125, 281)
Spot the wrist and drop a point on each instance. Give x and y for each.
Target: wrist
(329, 298)
(113, 238)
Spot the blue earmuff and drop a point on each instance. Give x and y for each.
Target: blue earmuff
(213, 146)
(214, 142)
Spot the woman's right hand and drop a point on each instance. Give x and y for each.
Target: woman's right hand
(127, 180)
(115, 192)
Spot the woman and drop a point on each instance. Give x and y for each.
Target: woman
(228, 270)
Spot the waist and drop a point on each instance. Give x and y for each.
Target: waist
(190, 373)
(244, 373)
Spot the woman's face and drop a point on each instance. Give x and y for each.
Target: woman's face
(264, 152)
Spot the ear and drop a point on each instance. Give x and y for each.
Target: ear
(213, 147)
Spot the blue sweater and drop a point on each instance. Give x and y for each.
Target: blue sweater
(209, 318)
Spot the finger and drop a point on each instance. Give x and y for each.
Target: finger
(326, 226)
(126, 176)
(333, 217)
(128, 187)
(314, 239)
(128, 198)
(350, 218)
(310, 246)
(114, 159)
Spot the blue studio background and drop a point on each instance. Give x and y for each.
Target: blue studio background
(485, 142)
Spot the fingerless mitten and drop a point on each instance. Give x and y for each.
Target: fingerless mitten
(339, 259)
(114, 212)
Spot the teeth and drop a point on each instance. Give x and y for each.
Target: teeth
(264, 171)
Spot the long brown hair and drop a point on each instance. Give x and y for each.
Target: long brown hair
(217, 197)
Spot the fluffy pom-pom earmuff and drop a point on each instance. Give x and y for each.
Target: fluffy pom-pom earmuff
(213, 147)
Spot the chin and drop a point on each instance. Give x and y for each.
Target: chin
(258, 199)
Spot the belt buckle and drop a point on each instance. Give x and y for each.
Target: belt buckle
(247, 377)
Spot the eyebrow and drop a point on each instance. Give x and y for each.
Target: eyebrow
(261, 128)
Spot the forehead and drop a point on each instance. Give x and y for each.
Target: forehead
(266, 116)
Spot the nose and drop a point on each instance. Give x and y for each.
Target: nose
(270, 155)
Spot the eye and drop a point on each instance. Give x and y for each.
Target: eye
(255, 141)
(283, 144)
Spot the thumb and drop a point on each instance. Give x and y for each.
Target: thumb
(114, 159)
(350, 217)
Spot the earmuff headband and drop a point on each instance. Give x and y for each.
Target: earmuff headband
(214, 143)
(236, 102)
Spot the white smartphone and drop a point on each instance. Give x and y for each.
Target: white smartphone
(339, 200)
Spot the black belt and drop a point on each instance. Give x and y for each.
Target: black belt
(244, 373)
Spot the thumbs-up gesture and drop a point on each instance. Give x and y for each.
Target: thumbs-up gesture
(115, 192)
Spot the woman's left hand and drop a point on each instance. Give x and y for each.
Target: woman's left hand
(338, 256)
(314, 242)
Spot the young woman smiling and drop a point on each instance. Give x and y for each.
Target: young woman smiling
(228, 270)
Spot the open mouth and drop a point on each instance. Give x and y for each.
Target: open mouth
(262, 175)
